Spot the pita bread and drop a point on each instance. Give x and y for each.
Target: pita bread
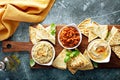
(59, 61)
(90, 65)
(72, 70)
(91, 36)
(76, 63)
(116, 50)
(114, 36)
(103, 31)
(93, 30)
(32, 32)
(100, 30)
(82, 26)
(40, 33)
(49, 31)
(87, 28)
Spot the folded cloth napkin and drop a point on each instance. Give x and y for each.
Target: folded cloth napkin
(12, 12)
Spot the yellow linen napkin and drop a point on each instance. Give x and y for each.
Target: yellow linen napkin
(12, 12)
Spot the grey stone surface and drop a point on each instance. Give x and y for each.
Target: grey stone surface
(66, 12)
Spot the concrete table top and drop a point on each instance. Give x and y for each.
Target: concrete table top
(66, 12)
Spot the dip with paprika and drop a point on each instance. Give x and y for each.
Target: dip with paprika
(99, 51)
(69, 37)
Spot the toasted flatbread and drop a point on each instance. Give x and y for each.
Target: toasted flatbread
(116, 50)
(87, 28)
(100, 30)
(90, 65)
(33, 37)
(40, 33)
(72, 70)
(93, 30)
(76, 63)
(59, 61)
(114, 36)
(49, 31)
(91, 36)
(103, 31)
(82, 26)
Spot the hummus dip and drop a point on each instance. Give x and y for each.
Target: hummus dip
(98, 50)
(42, 52)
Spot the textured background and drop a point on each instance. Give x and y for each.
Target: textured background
(66, 12)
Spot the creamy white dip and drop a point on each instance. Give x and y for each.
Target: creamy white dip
(98, 50)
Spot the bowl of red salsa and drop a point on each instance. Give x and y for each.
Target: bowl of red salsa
(69, 36)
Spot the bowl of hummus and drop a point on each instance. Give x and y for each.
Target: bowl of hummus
(69, 36)
(43, 53)
(99, 51)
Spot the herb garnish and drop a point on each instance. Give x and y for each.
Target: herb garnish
(95, 65)
(32, 62)
(53, 29)
(70, 54)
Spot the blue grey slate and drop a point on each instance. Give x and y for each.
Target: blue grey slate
(65, 12)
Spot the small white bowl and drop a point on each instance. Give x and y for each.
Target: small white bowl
(70, 25)
(95, 42)
(36, 45)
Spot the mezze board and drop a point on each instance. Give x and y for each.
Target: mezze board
(12, 46)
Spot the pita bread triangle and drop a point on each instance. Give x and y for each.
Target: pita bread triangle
(90, 65)
(116, 50)
(33, 37)
(59, 60)
(77, 63)
(91, 36)
(100, 30)
(82, 26)
(40, 33)
(93, 30)
(114, 36)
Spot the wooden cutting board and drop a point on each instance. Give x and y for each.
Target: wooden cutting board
(12, 46)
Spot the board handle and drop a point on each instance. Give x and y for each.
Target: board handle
(12, 46)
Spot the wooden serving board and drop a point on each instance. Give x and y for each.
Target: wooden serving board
(12, 46)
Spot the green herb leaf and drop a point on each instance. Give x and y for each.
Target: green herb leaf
(53, 32)
(53, 29)
(53, 26)
(71, 55)
(68, 53)
(67, 58)
(95, 65)
(107, 35)
(75, 53)
(32, 62)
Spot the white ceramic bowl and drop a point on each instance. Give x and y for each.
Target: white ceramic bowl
(97, 42)
(70, 25)
(37, 45)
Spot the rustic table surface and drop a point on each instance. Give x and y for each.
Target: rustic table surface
(65, 12)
